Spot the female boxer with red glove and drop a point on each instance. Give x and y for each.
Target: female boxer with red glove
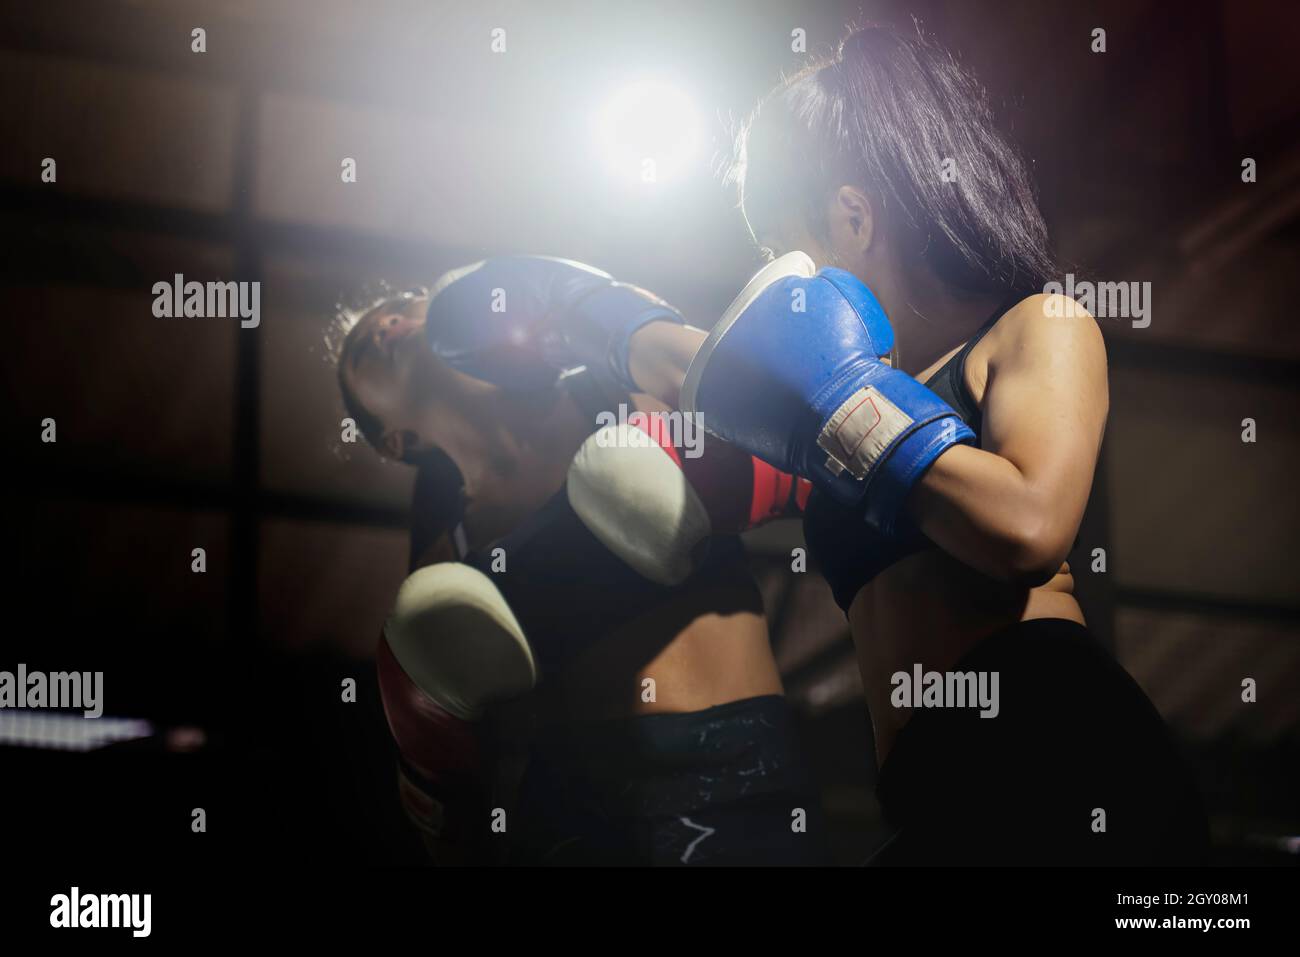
(664, 736)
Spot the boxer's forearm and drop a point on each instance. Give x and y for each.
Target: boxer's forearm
(659, 355)
(984, 511)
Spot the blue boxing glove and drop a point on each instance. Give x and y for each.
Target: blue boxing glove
(519, 321)
(793, 374)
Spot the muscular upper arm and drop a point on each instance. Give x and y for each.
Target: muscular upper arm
(1045, 402)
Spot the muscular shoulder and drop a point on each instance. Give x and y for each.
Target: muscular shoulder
(1046, 332)
(1046, 325)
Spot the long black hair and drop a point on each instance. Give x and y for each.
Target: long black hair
(885, 113)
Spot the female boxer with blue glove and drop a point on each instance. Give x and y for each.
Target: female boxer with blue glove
(901, 354)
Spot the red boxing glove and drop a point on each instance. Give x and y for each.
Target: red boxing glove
(439, 756)
(451, 647)
(655, 507)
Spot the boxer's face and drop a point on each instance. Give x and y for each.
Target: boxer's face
(384, 360)
(789, 236)
(848, 236)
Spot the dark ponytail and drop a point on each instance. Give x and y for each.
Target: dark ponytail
(884, 114)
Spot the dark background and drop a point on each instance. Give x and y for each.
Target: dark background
(176, 434)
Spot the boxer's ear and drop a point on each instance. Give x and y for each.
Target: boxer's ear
(851, 220)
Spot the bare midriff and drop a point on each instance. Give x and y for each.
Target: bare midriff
(699, 647)
(930, 609)
(704, 648)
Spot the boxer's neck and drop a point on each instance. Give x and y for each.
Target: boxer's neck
(512, 448)
(930, 319)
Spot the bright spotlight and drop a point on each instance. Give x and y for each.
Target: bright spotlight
(648, 132)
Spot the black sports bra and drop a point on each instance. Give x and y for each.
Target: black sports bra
(949, 382)
(848, 551)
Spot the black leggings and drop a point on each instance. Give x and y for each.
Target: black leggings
(721, 786)
(1075, 735)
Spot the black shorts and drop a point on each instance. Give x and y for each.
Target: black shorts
(1074, 736)
(720, 786)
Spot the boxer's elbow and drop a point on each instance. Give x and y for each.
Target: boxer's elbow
(1032, 551)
